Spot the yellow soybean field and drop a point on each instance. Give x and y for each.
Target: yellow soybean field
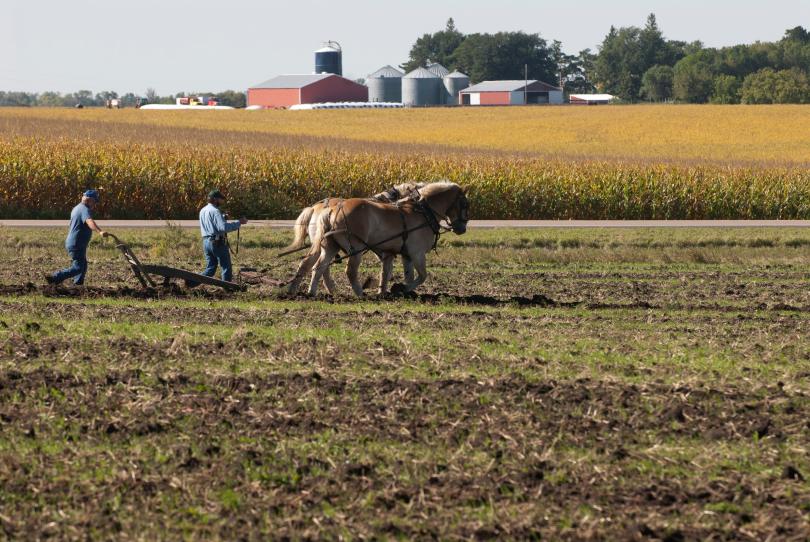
(622, 162)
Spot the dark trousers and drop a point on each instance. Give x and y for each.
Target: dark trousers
(217, 254)
(77, 270)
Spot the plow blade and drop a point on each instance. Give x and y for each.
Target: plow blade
(189, 276)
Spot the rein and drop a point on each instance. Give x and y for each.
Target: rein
(432, 221)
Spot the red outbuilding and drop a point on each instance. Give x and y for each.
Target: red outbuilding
(511, 93)
(287, 90)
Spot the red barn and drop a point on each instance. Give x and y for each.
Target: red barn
(287, 90)
(511, 93)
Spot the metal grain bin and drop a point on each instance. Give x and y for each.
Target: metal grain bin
(454, 83)
(329, 59)
(421, 87)
(437, 69)
(385, 85)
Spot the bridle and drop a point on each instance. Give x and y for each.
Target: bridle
(463, 212)
(434, 219)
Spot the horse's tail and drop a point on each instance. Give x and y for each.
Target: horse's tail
(323, 224)
(301, 228)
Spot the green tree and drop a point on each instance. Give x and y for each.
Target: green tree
(83, 97)
(627, 53)
(579, 72)
(102, 97)
(50, 99)
(17, 99)
(437, 47)
(725, 90)
(797, 34)
(653, 48)
(768, 86)
(617, 61)
(693, 77)
(656, 84)
(503, 56)
(232, 98)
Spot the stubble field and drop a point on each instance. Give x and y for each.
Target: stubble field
(556, 384)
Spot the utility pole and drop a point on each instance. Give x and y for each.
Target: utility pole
(526, 84)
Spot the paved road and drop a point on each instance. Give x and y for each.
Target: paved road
(111, 224)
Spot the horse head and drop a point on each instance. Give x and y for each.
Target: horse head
(449, 201)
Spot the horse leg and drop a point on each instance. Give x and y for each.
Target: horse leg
(303, 268)
(420, 263)
(327, 255)
(352, 272)
(407, 269)
(385, 273)
(328, 281)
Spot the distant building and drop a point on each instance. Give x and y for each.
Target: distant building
(287, 90)
(511, 93)
(591, 99)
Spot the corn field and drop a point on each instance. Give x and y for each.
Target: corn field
(149, 170)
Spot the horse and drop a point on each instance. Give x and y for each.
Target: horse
(358, 225)
(306, 223)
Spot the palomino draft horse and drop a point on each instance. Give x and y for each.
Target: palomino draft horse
(306, 224)
(356, 226)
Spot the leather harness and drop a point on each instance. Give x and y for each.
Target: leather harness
(420, 206)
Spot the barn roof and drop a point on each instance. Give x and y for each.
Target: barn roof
(510, 86)
(497, 86)
(294, 81)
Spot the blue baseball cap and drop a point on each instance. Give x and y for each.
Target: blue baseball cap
(91, 194)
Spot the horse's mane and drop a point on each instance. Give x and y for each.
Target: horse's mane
(436, 188)
(409, 186)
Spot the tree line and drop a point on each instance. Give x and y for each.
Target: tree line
(633, 63)
(86, 98)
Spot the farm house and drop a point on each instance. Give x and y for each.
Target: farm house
(511, 93)
(288, 90)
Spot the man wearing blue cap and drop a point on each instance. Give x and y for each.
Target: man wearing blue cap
(80, 231)
(214, 229)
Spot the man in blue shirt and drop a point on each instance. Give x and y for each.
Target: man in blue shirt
(214, 229)
(80, 231)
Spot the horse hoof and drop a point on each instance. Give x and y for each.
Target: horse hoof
(399, 289)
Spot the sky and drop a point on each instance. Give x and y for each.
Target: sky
(207, 45)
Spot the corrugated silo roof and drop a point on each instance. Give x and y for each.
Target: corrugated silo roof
(438, 69)
(386, 71)
(421, 73)
(457, 75)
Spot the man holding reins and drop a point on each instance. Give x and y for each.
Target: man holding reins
(214, 229)
(79, 234)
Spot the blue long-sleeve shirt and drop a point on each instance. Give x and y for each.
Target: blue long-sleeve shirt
(212, 223)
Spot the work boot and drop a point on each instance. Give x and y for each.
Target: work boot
(49, 278)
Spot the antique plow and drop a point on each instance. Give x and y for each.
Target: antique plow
(143, 271)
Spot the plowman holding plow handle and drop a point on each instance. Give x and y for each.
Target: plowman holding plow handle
(214, 230)
(79, 234)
